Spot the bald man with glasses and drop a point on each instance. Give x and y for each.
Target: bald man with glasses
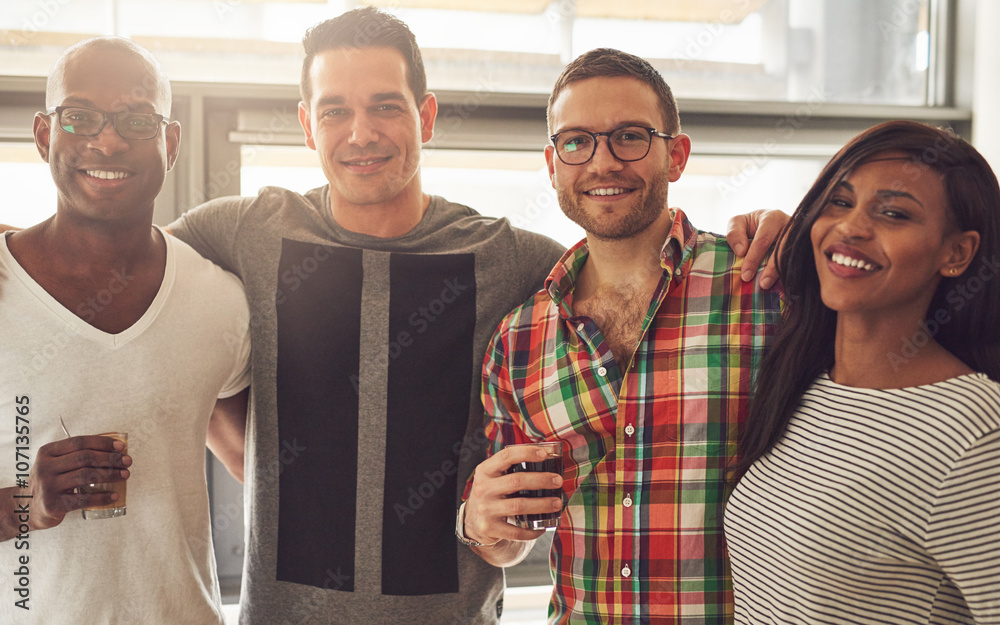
(108, 324)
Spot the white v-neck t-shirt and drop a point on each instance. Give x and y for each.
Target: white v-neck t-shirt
(158, 381)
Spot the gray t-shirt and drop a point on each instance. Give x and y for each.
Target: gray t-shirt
(366, 420)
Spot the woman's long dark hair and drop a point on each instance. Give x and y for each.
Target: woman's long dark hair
(803, 348)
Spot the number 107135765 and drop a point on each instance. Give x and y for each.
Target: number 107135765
(22, 440)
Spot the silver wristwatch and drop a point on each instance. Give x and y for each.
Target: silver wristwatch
(460, 529)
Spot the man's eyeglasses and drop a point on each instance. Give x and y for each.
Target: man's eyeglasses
(628, 143)
(87, 122)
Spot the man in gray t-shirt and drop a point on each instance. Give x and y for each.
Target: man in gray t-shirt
(371, 307)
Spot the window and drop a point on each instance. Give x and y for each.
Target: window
(766, 50)
(30, 192)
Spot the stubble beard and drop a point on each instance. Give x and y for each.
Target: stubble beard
(375, 190)
(643, 212)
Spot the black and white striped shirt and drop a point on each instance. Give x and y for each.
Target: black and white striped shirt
(877, 506)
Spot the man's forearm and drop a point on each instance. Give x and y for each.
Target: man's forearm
(505, 553)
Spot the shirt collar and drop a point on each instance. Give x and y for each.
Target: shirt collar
(677, 250)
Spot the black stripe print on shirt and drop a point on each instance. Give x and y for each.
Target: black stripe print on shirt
(318, 310)
(432, 321)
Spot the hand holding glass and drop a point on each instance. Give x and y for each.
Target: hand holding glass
(552, 463)
(115, 508)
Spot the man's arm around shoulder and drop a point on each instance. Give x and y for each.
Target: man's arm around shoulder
(211, 229)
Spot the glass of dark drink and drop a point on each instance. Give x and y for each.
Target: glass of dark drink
(552, 463)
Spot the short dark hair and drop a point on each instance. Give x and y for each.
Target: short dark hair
(363, 28)
(611, 63)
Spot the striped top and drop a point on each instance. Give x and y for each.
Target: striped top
(645, 445)
(877, 506)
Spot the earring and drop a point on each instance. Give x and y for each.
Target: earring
(953, 271)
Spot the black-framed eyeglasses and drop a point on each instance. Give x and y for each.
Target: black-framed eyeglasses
(628, 143)
(88, 122)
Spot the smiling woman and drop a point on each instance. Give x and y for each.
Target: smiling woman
(852, 452)
(883, 239)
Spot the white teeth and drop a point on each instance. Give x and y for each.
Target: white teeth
(364, 163)
(614, 191)
(847, 261)
(107, 175)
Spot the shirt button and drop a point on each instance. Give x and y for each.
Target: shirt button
(626, 572)
(629, 430)
(579, 327)
(628, 501)
(678, 272)
(601, 371)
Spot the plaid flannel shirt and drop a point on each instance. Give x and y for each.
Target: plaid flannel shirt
(645, 449)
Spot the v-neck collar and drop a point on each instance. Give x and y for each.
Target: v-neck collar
(83, 328)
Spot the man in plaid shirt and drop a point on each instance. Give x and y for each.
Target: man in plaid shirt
(638, 356)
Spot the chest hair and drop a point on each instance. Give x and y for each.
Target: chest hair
(619, 312)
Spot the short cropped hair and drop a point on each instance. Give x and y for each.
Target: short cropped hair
(362, 28)
(611, 63)
(158, 84)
